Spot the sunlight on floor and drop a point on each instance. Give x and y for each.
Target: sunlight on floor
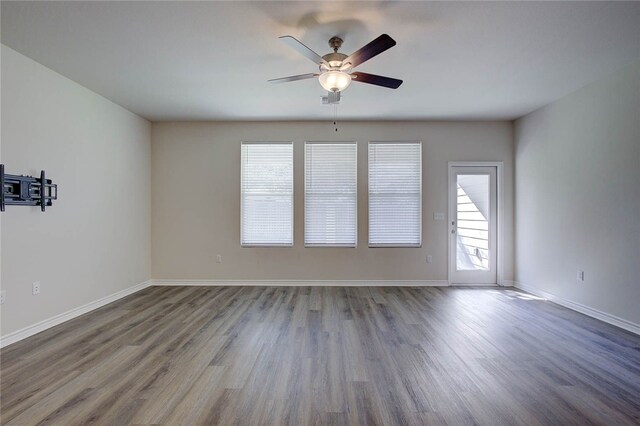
(523, 296)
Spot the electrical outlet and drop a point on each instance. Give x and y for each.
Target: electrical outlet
(218, 258)
(35, 288)
(429, 258)
(3, 296)
(580, 276)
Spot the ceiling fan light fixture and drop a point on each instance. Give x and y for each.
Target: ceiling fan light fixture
(334, 80)
(336, 68)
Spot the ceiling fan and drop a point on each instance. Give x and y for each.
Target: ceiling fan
(335, 69)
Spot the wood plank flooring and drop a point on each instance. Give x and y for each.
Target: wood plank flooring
(324, 355)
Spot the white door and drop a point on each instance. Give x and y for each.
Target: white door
(472, 225)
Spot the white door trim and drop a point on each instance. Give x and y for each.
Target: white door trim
(500, 212)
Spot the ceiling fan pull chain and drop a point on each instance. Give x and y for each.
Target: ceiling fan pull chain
(335, 116)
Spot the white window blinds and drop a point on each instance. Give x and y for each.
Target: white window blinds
(395, 194)
(330, 194)
(267, 194)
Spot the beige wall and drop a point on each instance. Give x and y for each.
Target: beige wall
(578, 196)
(95, 240)
(196, 200)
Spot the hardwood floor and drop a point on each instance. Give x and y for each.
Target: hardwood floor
(331, 355)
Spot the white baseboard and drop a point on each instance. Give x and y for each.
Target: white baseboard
(594, 313)
(304, 283)
(508, 283)
(66, 316)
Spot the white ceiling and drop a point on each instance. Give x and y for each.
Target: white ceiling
(212, 60)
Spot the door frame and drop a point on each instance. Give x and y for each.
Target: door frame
(499, 212)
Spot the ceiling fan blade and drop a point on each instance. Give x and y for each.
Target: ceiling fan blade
(372, 49)
(378, 80)
(293, 78)
(303, 50)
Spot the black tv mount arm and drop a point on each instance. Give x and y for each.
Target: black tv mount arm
(26, 190)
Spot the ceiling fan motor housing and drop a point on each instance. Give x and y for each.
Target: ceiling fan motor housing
(334, 59)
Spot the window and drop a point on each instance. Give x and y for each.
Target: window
(267, 194)
(395, 194)
(330, 194)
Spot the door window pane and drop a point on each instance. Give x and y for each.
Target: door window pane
(472, 242)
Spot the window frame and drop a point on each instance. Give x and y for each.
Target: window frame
(420, 156)
(242, 166)
(314, 245)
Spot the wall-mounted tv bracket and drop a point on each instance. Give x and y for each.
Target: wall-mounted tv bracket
(26, 190)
